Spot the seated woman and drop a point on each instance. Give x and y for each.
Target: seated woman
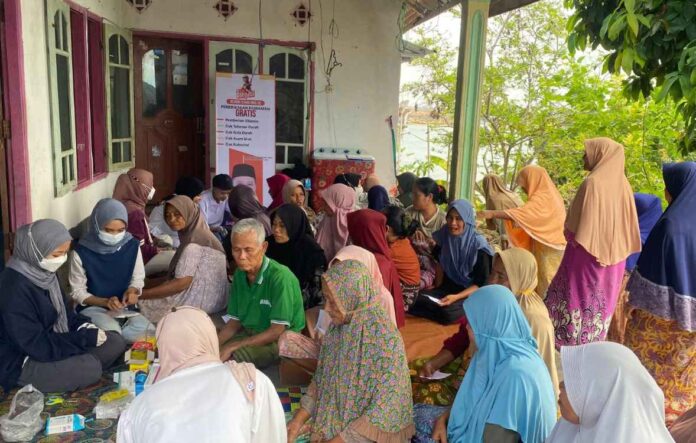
(197, 273)
(107, 271)
(404, 187)
(41, 341)
(332, 230)
(295, 193)
(608, 396)
(293, 245)
(368, 229)
(191, 187)
(399, 228)
(377, 198)
(360, 392)
(465, 258)
(244, 204)
(275, 189)
(230, 399)
(505, 366)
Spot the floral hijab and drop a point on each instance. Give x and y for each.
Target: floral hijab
(362, 379)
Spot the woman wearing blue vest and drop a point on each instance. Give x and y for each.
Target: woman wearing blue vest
(107, 272)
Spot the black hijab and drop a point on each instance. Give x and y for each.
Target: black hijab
(302, 254)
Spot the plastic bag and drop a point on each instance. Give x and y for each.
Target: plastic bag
(24, 419)
(112, 409)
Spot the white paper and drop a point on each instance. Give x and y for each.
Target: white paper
(437, 375)
(123, 313)
(436, 300)
(323, 322)
(226, 318)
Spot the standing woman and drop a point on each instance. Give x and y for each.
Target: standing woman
(399, 228)
(332, 231)
(41, 341)
(602, 231)
(405, 182)
(499, 198)
(244, 204)
(662, 288)
(197, 273)
(368, 230)
(134, 189)
(541, 220)
(295, 193)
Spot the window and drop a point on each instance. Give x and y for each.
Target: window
(61, 95)
(292, 117)
(119, 103)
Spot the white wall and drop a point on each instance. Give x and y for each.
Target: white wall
(365, 89)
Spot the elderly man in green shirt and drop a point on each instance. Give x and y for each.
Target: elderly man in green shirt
(265, 300)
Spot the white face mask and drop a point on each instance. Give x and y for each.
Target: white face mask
(52, 264)
(151, 194)
(111, 239)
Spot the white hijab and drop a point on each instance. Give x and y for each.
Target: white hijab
(613, 394)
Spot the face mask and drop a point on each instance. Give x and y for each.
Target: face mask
(111, 239)
(52, 264)
(151, 194)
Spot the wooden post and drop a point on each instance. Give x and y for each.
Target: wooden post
(472, 43)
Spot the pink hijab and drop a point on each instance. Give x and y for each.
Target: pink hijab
(332, 231)
(133, 187)
(367, 258)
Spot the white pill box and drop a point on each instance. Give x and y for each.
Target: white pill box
(65, 423)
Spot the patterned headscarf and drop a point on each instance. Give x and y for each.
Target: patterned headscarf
(362, 379)
(133, 187)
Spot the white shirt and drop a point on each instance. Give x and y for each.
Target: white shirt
(213, 211)
(159, 227)
(204, 404)
(78, 278)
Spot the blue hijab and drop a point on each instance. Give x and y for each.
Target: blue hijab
(106, 210)
(507, 383)
(649, 209)
(669, 253)
(459, 253)
(377, 198)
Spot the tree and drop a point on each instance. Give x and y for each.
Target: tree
(652, 41)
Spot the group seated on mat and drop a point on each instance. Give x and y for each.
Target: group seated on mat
(377, 318)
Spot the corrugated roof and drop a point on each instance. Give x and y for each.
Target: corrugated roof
(420, 11)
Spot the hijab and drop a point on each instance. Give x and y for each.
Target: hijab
(288, 189)
(33, 243)
(649, 209)
(106, 210)
(507, 383)
(301, 253)
(406, 181)
(368, 229)
(613, 394)
(133, 188)
(498, 197)
(521, 269)
(377, 198)
(332, 231)
(603, 215)
(544, 214)
(362, 378)
(275, 188)
(243, 204)
(669, 254)
(459, 254)
(367, 258)
(196, 230)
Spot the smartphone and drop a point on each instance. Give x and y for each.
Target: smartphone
(308, 184)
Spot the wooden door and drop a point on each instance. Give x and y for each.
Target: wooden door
(169, 129)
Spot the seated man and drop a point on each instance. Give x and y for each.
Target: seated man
(213, 204)
(265, 300)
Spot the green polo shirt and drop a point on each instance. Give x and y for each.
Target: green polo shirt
(274, 297)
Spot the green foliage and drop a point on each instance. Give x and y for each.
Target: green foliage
(539, 103)
(652, 41)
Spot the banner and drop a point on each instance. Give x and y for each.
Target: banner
(245, 130)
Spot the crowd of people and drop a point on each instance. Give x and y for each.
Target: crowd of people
(560, 314)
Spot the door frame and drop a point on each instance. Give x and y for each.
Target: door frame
(205, 39)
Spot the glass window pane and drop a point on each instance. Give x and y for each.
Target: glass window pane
(64, 170)
(56, 30)
(290, 112)
(182, 95)
(113, 48)
(64, 31)
(296, 68)
(295, 154)
(154, 82)
(280, 154)
(120, 103)
(116, 152)
(63, 89)
(71, 163)
(277, 65)
(126, 151)
(223, 61)
(242, 62)
(125, 56)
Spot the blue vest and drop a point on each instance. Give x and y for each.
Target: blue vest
(109, 275)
